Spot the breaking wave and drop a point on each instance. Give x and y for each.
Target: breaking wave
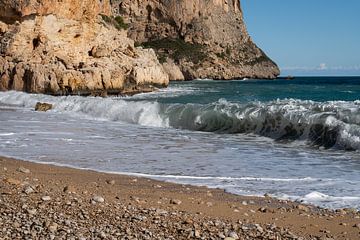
(329, 125)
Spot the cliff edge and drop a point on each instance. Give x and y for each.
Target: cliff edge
(198, 38)
(71, 47)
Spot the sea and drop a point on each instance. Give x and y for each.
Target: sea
(292, 139)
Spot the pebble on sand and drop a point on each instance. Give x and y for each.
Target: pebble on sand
(28, 190)
(98, 199)
(46, 198)
(110, 182)
(175, 201)
(23, 170)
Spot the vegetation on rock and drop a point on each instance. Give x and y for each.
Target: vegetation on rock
(176, 49)
(117, 22)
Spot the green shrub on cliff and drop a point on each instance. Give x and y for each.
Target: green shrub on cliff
(120, 22)
(176, 49)
(117, 22)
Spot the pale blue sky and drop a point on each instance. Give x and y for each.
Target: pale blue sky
(307, 37)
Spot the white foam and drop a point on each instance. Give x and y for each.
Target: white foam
(306, 179)
(7, 134)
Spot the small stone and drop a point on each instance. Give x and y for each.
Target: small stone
(110, 182)
(263, 210)
(244, 203)
(102, 235)
(221, 235)
(46, 198)
(31, 211)
(259, 228)
(209, 204)
(197, 233)
(98, 199)
(343, 224)
(28, 190)
(303, 208)
(12, 181)
(16, 225)
(69, 189)
(23, 170)
(357, 225)
(233, 235)
(175, 201)
(53, 227)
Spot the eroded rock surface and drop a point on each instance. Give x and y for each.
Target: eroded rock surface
(71, 47)
(205, 38)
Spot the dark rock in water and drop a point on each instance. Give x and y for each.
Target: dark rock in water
(43, 107)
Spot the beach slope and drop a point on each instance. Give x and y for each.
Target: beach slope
(45, 201)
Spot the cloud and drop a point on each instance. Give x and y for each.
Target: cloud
(322, 67)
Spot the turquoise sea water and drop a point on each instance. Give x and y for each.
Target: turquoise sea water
(295, 139)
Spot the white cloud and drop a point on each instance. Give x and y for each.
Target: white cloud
(322, 67)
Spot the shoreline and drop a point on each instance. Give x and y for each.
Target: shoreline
(74, 190)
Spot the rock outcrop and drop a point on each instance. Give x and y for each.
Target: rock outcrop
(205, 38)
(102, 47)
(71, 47)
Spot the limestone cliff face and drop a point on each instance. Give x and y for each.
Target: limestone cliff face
(67, 47)
(204, 38)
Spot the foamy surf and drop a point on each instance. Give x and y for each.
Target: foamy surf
(333, 124)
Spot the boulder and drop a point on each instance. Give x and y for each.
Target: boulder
(43, 107)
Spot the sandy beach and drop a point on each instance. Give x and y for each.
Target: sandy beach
(49, 202)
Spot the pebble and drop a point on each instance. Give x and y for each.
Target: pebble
(175, 201)
(12, 181)
(98, 199)
(31, 211)
(28, 190)
(303, 208)
(221, 235)
(102, 235)
(69, 189)
(263, 209)
(53, 227)
(233, 235)
(46, 198)
(357, 225)
(110, 182)
(23, 170)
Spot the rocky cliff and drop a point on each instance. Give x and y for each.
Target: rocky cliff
(123, 46)
(198, 38)
(71, 47)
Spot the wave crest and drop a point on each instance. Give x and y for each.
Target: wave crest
(334, 124)
(329, 124)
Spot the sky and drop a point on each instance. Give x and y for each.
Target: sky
(307, 37)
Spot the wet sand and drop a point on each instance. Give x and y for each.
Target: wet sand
(50, 202)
